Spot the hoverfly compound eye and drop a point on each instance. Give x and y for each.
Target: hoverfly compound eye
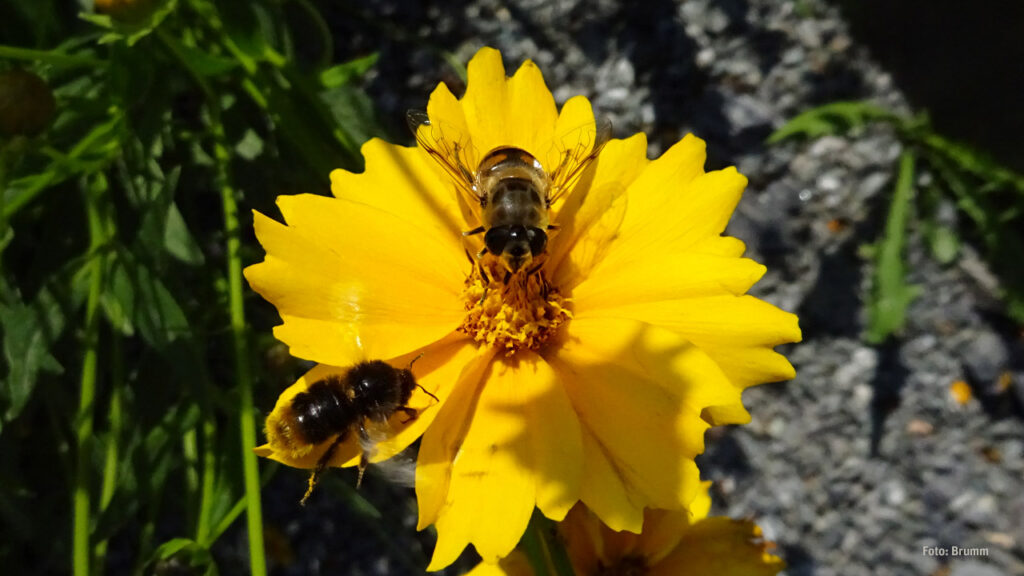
(538, 240)
(496, 238)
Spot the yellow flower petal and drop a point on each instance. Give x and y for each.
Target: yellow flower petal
(517, 111)
(713, 321)
(670, 544)
(640, 392)
(332, 274)
(405, 183)
(663, 529)
(532, 113)
(575, 116)
(442, 440)
(492, 491)
(672, 277)
(588, 220)
(747, 366)
(508, 451)
(720, 546)
(605, 489)
(675, 206)
(485, 103)
(665, 181)
(515, 564)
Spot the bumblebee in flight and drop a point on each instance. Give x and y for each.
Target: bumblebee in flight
(509, 188)
(367, 395)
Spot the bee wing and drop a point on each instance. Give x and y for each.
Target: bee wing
(577, 149)
(399, 469)
(451, 149)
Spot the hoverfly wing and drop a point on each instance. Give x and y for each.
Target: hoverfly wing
(451, 149)
(576, 150)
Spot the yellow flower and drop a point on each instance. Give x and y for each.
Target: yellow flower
(591, 380)
(672, 543)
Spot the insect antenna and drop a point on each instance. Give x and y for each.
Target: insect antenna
(418, 385)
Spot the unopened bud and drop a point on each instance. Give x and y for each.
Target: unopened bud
(26, 103)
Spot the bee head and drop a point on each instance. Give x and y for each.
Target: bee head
(516, 245)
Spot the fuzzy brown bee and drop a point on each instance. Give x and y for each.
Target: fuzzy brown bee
(330, 409)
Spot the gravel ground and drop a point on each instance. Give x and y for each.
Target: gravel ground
(863, 459)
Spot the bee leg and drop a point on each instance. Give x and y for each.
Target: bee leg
(364, 460)
(552, 227)
(508, 276)
(410, 413)
(321, 465)
(474, 231)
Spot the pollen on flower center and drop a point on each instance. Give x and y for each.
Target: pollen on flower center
(520, 314)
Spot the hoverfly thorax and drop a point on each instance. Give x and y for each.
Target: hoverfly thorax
(514, 205)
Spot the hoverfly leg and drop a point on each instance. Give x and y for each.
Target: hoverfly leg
(553, 227)
(484, 275)
(321, 465)
(543, 281)
(474, 231)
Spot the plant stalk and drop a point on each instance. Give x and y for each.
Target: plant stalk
(81, 523)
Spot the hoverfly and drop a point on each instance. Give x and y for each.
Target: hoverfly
(508, 188)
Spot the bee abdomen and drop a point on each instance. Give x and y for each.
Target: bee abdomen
(323, 410)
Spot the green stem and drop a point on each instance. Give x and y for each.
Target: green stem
(544, 549)
(83, 434)
(115, 421)
(243, 372)
(190, 453)
(209, 470)
(48, 56)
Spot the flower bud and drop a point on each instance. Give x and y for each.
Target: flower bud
(125, 10)
(27, 105)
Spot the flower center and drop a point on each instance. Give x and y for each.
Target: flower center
(520, 314)
(625, 566)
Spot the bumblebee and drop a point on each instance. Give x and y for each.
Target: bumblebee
(509, 188)
(362, 398)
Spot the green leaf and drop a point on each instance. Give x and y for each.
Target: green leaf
(178, 240)
(831, 118)
(182, 554)
(140, 300)
(967, 159)
(944, 244)
(353, 112)
(891, 295)
(250, 146)
(205, 64)
(29, 332)
(344, 73)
